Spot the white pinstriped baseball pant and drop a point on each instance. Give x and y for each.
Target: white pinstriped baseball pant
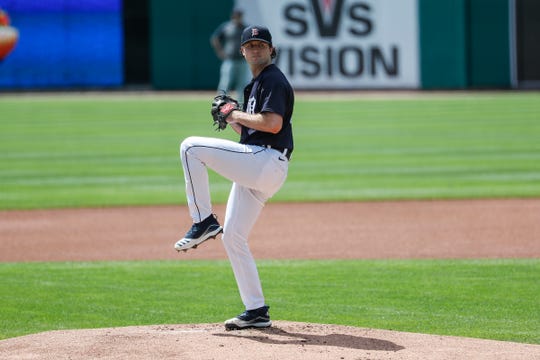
(257, 173)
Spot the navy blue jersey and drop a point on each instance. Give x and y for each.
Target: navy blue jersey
(270, 91)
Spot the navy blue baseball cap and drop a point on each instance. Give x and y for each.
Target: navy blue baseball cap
(256, 33)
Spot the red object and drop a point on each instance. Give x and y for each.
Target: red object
(4, 18)
(8, 35)
(8, 40)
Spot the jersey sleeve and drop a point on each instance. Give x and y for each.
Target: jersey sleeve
(274, 104)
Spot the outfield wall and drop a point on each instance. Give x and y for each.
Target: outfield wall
(336, 44)
(348, 44)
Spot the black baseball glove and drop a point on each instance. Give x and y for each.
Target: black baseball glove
(222, 106)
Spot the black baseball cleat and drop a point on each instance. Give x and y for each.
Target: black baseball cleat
(207, 229)
(257, 318)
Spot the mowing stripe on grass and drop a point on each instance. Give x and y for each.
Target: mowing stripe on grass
(94, 151)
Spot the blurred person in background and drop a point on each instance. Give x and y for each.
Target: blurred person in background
(225, 40)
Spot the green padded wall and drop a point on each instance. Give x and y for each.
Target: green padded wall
(181, 55)
(464, 44)
(443, 38)
(489, 44)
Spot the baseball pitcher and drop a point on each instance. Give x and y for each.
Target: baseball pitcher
(257, 165)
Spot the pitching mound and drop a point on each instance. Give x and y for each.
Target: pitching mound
(285, 340)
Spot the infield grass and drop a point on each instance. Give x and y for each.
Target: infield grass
(76, 151)
(492, 299)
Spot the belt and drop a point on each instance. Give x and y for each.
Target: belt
(284, 151)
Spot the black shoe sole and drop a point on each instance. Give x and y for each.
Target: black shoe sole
(265, 325)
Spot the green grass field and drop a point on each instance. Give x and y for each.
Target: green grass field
(99, 151)
(69, 151)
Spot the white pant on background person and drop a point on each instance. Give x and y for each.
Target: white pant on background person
(257, 173)
(234, 75)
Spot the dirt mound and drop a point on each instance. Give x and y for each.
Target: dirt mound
(285, 340)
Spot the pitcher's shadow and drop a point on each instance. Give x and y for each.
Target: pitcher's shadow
(337, 340)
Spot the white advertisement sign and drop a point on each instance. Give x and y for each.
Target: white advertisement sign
(342, 44)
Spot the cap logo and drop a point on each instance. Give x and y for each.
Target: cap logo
(254, 32)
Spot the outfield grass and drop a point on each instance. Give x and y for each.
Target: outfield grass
(99, 151)
(493, 299)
